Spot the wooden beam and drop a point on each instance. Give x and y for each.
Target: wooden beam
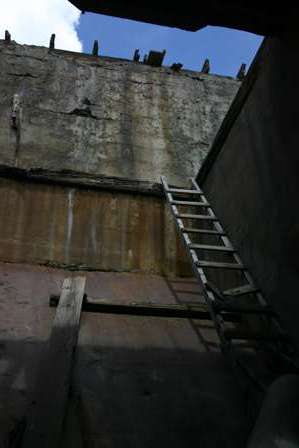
(82, 180)
(184, 311)
(45, 420)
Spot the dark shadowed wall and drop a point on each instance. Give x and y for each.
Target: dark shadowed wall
(253, 184)
(137, 381)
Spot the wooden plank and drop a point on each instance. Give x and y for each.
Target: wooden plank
(231, 334)
(45, 420)
(219, 265)
(82, 180)
(199, 310)
(240, 291)
(231, 307)
(202, 217)
(257, 310)
(184, 311)
(211, 248)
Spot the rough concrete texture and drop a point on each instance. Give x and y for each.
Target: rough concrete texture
(48, 224)
(254, 182)
(107, 116)
(137, 381)
(277, 424)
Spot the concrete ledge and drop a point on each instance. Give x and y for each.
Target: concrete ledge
(83, 180)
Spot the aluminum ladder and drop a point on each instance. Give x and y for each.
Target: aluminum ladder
(258, 328)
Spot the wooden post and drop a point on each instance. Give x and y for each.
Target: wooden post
(45, 420)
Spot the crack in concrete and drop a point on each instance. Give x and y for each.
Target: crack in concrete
(24, 75)
(27, 56)
(85, 113)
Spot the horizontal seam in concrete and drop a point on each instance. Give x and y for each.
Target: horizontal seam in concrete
(78, 180)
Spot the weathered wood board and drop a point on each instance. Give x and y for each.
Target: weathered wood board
(45, 419)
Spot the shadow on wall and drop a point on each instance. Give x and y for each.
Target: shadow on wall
(124, 397)
(186, 291)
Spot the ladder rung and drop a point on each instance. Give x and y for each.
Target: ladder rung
(248, 335)
(242, 310)
(192, 203)
(181, 190)
(240, 291)
(213, 248)
(203, 217)
(219, 265)
(203, 231)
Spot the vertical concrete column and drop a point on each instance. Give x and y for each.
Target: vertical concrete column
(277, 425)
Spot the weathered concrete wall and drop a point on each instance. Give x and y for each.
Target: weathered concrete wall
(99, 116)
(107, 116)
(48, 224)
(254, 183)
(137, 381)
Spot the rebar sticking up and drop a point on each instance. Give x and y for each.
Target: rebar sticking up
(206, 67)
(242, 72)
(136, 56)
(176, 67)
(52, 42)
(7, 37)
(95, 48)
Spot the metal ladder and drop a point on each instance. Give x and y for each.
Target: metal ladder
(258, 328)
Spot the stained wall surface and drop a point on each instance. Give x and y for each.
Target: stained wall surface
(101, 117)
(71, 227)
(253, 183)
(107, 116)
(137, 381)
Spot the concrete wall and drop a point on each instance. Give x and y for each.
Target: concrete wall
(137, 381)
(71, 227)
(253, 184)
(107, 116)
(100, 117)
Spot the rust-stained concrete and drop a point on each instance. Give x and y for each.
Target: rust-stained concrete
(48, 224)
(107, 116)
(137, 381)
(99, 116)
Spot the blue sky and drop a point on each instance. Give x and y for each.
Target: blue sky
(225, 48)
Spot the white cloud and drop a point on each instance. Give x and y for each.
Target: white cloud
(33, 22)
